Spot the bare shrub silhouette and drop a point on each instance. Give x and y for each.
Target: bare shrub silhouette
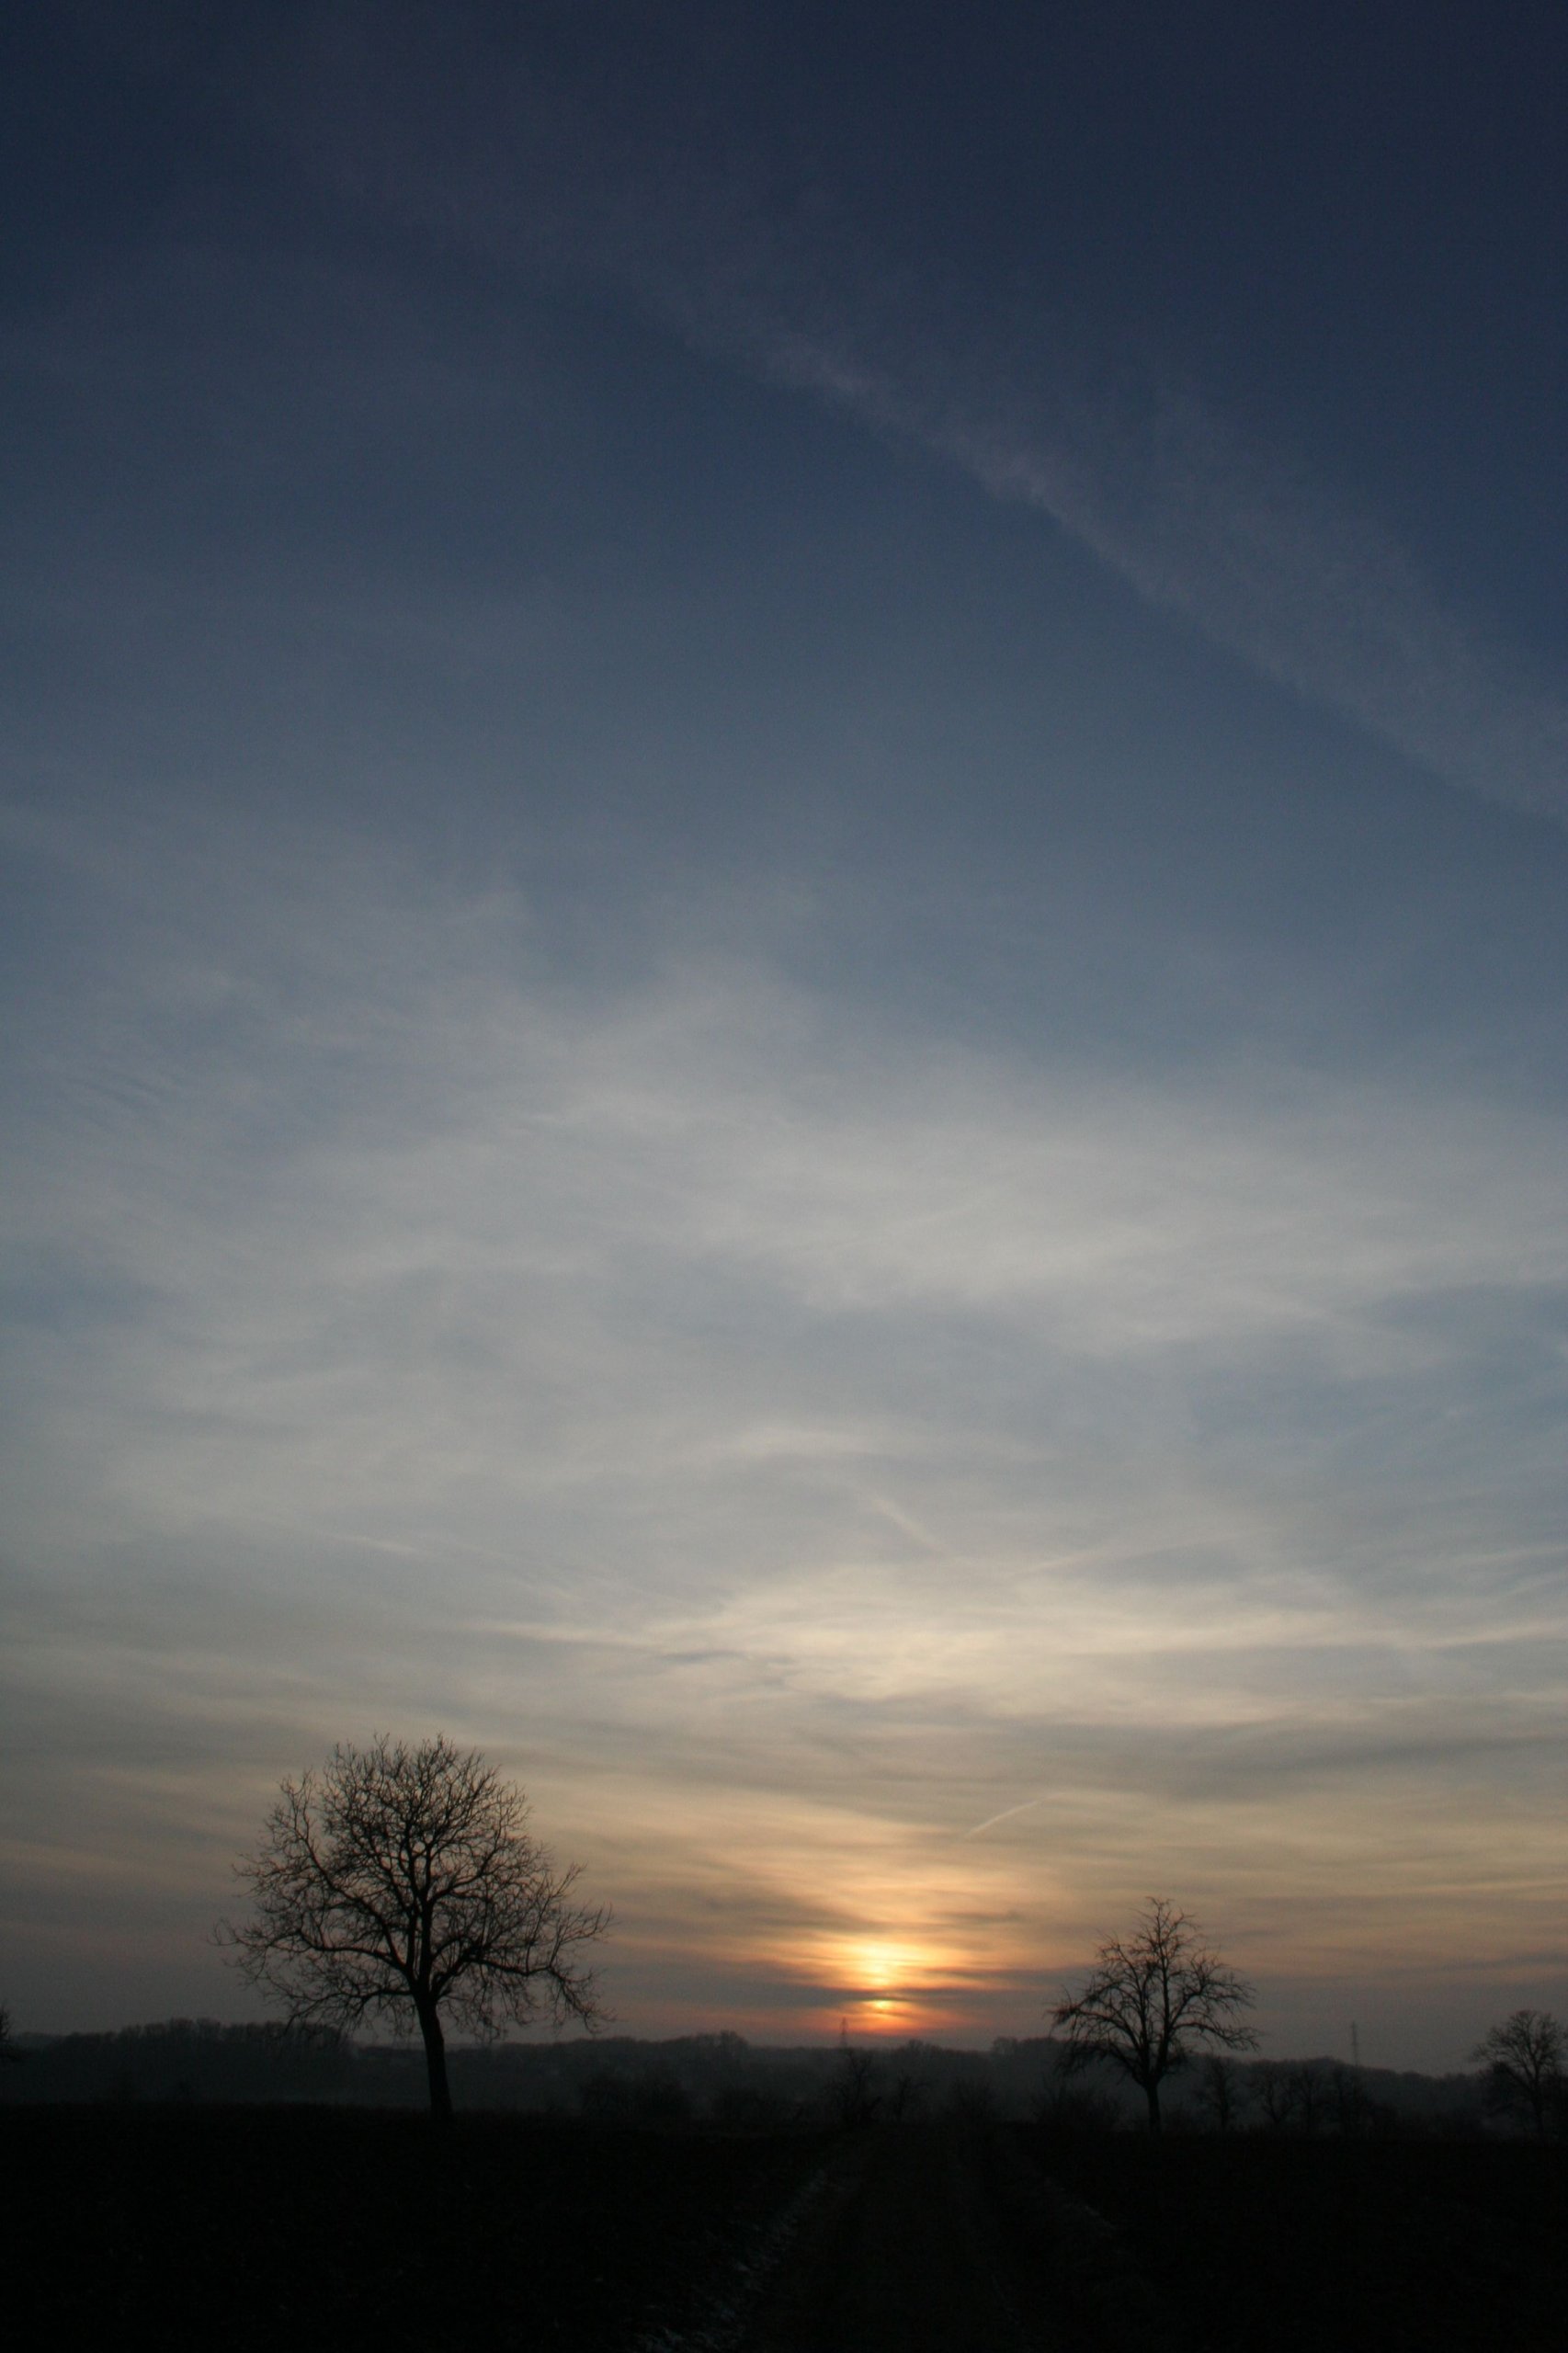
(1221, 2097)
(853, 2098)
(1275, 2086)
(1065, 2108)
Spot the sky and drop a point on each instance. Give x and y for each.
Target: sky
(786, 936)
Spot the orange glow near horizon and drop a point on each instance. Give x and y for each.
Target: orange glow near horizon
(884, 1985)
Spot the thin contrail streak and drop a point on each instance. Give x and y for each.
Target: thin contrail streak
(1006, 1816)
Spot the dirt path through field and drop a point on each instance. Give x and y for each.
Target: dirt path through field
(917, 2243)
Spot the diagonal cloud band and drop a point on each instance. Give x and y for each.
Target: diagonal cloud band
(748, 255)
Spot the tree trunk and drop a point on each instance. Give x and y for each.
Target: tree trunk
(1152, 2093)
(435, 2060)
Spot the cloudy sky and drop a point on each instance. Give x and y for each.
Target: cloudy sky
(785, 921)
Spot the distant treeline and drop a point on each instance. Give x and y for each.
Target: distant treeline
(724, 2080)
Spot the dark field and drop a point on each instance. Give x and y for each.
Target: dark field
(252, 2226)
(1415, 2247)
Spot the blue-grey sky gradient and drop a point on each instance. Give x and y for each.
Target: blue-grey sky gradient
(785, 850)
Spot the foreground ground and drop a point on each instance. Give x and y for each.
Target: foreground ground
(353, 2229)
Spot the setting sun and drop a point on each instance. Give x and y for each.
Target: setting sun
(888, 1983)
(882, 1966)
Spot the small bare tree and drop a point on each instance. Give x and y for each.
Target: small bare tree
(1220, 2093)
(853, 2098)
(1354, 2112)
(1150, 1998)
(1276, 2094)
(402, 1880)
(1523, 2058)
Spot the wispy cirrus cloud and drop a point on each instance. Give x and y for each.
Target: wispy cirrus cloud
(748, 253)
(684, 1103)
(745, 1410)
(1273, 566)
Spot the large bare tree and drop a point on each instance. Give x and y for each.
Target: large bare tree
(1523, 2058)
(402, 1880)
(1150, 1998)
